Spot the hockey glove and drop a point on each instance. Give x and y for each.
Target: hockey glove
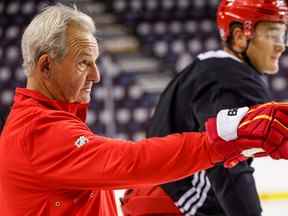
(237, 134)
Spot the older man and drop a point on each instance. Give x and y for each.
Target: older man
(52, 164)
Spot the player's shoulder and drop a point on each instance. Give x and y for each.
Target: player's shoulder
(216, 54)
(217, 59)
(210, 66)
(214, 61)
(221, 65)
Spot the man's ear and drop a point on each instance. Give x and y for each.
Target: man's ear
(44, 65)
(240, 40)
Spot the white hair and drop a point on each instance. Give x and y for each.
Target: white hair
(47, 33)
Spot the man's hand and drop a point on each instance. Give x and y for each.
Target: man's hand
(240, 133)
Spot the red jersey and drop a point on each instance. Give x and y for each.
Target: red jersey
(51, 163)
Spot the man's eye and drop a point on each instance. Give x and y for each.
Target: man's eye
(83, 65)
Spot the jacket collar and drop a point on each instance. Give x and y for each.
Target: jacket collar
(78, 109)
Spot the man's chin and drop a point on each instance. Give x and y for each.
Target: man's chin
(271, 70)
(84, 99)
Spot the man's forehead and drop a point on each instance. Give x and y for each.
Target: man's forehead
(80, 37)
(84, 45)
(83, 38)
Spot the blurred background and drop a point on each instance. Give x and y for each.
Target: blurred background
(143, 43)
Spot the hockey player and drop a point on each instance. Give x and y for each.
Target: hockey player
(253, 33)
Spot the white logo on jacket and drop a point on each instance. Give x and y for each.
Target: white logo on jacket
(82, 140)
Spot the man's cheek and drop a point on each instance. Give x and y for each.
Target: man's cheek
(81, 76)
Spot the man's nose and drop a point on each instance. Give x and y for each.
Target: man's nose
(94, 74)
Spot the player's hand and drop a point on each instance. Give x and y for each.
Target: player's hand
(240, 133)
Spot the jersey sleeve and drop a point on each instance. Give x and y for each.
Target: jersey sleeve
(64, 152)
(227, 84)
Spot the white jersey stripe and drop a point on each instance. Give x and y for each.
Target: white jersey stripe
(202, 199)
(195, 197)
(188, 193)
(195, 179)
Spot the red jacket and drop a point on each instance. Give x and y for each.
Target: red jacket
(51, 163)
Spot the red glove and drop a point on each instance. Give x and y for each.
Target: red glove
(236, 134)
